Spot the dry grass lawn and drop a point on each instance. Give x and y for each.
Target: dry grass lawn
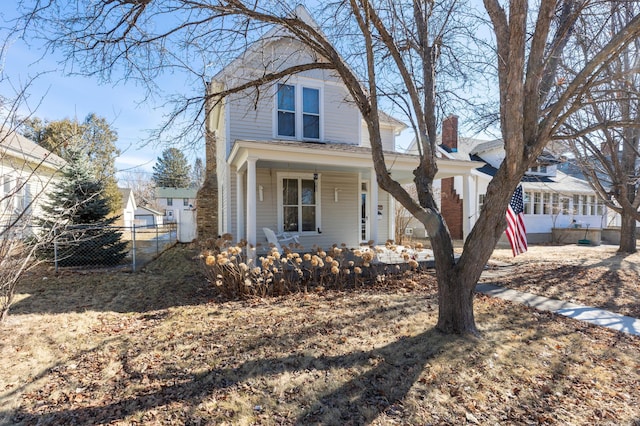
(158, 347)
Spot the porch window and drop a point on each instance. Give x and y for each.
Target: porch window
(298, 112)
(556, 206)
(565, 205)
(526, 199)
(585, 205)
(546, 197)
(299, 204)
(481, 201)
(592, 205)
(537, 203)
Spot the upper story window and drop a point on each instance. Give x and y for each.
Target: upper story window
(286, 110)
(537, 170)
(185, 202)
(170, 201)
(298, 114)
(310, 113)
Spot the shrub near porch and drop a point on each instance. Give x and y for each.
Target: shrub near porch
(276, 273)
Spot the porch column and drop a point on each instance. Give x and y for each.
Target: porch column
(467, 204)
(373, 206)
(239, 206)
(251, 206)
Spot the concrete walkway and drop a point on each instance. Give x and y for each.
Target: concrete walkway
(588, 314)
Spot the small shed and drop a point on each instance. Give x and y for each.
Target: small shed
(128, 207)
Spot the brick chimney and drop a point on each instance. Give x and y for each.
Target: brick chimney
(450, 132)
(450, 202)
(207, 201)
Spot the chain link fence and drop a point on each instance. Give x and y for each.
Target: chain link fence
(109, 246)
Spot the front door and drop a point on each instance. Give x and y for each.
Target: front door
(364, 212)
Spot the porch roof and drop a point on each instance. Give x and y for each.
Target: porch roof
(334, 156)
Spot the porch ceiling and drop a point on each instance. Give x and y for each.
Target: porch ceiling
(336, 157)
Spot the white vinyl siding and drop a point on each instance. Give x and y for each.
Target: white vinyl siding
(383, 217)
(249, 120)
(386, 133)
(341, 119)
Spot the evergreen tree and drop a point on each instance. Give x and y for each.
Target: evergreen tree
(172, 170)
(77, 211)
(94, 135)
(198, 173)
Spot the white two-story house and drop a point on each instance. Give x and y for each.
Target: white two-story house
(295, 156)
(173, 201)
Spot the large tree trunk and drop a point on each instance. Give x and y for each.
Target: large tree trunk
(455, 303)
(628, 233)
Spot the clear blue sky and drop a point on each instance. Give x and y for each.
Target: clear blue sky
(55, 95)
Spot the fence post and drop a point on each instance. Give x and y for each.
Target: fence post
(133, 249)
(55, 254)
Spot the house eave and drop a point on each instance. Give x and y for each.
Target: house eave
(337, 155)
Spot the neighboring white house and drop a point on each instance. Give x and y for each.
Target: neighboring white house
(552, 199)
(173, 200)
(146, 216)
(27, 173)
(128, 207)
(297, 158)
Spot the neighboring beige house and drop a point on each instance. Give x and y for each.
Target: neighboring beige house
(128, 207)
(27, 173)
(171, 201)
(297, 159)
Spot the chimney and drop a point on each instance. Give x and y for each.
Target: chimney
(450, 133)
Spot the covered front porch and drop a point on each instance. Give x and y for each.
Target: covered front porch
(324, 193)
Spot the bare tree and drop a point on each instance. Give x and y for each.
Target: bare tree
(400, 42)
(142, 186)
(23, 182)
(604, 135)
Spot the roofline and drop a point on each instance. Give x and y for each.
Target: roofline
(50, 159)
(276, 33)
(263, 150)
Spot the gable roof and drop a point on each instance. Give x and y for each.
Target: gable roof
(127, 195)
(163, 192)
(16, 145)
(561, 182)
(148, 209)
(277, 33)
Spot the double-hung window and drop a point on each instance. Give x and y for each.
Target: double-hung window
(310, 113)
(299, 203)
(286, 110)
(298, 112)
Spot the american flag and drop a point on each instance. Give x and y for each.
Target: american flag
(516, 232)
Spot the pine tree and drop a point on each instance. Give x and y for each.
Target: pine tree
(172, 170)
(198, 173)
(94, 135)
(76, 212)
